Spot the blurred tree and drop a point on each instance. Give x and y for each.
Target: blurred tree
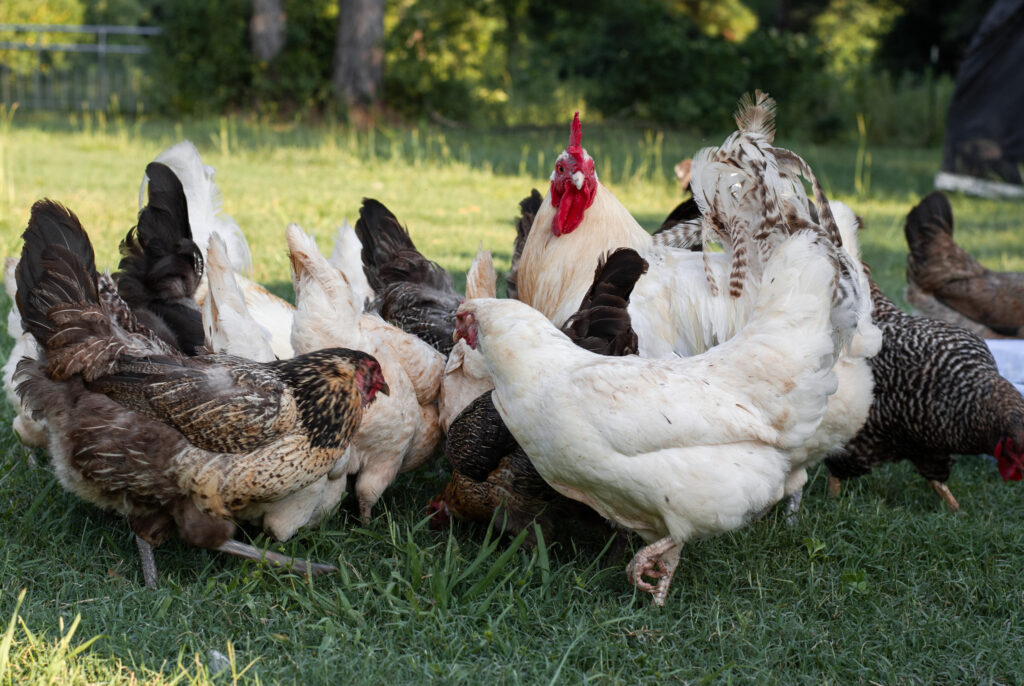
(266, 29)
(359, 52)
(730, 19)
(850, 32)
(35, 12)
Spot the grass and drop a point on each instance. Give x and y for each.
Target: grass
(880, 585)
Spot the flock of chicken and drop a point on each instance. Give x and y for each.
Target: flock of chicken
(630, 381)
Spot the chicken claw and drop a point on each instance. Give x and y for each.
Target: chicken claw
(656, 561)
(233, 547)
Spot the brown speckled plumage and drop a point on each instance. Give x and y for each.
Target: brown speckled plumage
(178, 444)
(944, 281)
(412, 292)
(937, 394)
(491, 472)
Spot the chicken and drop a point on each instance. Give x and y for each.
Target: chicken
(177, 444)
(528, 208)
(161, 266)
(945, 282)
(204, 203)
(681, 448)
(399, 432)
(465, 375)
(412, 292)
(750, 195)
(937, 394)
(490, 471)
(31, 432)
(206, 219)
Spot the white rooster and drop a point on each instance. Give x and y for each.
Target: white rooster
(673, 449)
(400, 433)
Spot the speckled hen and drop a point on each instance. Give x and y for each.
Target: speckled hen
(177, 444)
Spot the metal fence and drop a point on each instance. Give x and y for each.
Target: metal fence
(103, 65)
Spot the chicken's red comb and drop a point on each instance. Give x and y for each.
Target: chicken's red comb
(576, 135)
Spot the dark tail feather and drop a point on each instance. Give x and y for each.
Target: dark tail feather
(931, 216)
(389, 255)
(528, 208)
(602, 324)
(57, 267)
(161, 266)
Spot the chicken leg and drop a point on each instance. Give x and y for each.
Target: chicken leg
(656, 561)
(233, 547)
(148, 562)
(944, 492)
(835, 486)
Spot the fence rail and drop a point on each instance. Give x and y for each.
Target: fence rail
(65, 76)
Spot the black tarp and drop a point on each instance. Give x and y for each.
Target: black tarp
(985, 124)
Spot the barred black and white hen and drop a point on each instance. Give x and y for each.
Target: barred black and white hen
(937, 394)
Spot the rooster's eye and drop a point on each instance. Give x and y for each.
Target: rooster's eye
(560, 169)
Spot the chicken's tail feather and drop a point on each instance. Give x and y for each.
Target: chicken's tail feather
(528, 208)
(60, 300)
(931, 217)
(161, 266)
(602, 323)
(390, 256)
(481, 281)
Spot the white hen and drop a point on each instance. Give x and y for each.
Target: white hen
(673, 449)
(400, 433)
(751, 197)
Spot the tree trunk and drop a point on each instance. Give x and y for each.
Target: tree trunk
(266, 29)
(358, 51)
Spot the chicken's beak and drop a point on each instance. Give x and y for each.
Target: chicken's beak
(384, 388)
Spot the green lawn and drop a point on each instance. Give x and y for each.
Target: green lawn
(881, 585)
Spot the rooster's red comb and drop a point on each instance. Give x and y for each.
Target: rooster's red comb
(576, 135)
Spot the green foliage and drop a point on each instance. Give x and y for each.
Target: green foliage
(199, 63)
(849, 32)
(448, 57)
(35, 12)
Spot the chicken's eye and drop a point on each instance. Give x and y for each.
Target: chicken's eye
(560, 169)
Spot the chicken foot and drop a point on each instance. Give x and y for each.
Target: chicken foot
(148, 562)
(250, 552)
(655, 561)
(835, 486)
(944, 493)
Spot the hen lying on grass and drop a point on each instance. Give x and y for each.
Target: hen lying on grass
(177, 444)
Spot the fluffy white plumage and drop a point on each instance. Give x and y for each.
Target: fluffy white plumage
(347, 258)
(229, 325)
(399, 431)
(31, 432)
(673, 449)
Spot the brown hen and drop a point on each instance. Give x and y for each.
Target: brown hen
(178, 444)
(945, 282)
